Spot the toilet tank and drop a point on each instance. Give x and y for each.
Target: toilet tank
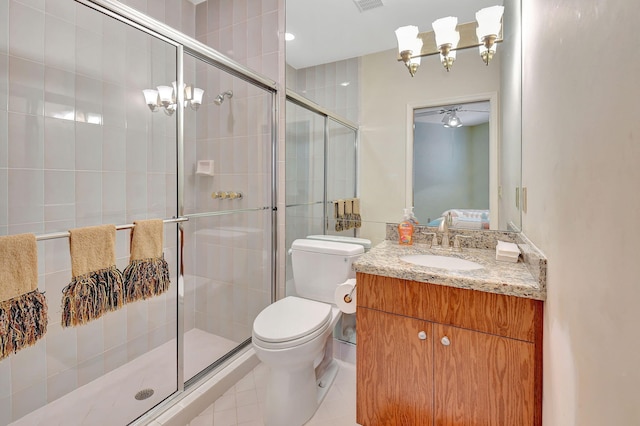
(319, 266)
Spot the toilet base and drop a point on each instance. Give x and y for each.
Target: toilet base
(293, 397)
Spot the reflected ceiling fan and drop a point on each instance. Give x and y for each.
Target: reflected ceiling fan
(449, 114)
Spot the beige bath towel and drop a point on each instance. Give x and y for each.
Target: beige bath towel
(23, 309)
(96, 286)
(356, 213)
(147, 274)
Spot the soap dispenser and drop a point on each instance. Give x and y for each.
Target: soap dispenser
(405, 229)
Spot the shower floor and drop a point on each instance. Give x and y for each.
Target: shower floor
(110, 400)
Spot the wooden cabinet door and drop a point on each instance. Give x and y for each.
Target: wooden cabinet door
(482, 379)
(394, 370)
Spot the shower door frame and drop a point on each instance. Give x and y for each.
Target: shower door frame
(186, 45)
(327, 115)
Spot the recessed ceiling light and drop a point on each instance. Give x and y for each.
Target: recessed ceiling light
(289, 36)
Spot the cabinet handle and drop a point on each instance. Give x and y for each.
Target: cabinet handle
(445, 341)
(422, 335)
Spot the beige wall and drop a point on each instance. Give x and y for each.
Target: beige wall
(582, 168)
(387, 89)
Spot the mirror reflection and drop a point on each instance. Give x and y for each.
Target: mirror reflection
(351, 67)
(451, 164)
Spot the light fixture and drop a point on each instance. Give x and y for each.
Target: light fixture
(447, 39)
(408, 44)
(489, 25)
(165, 97)
(289, 37)
(451, 119)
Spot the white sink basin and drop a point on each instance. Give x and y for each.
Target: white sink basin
(442, 262)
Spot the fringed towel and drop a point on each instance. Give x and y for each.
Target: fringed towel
(147, 274)
(96, 287)
(23, 309)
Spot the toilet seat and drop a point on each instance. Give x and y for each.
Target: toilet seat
(290, 322)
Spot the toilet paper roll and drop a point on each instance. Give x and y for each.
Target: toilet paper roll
(345, 296)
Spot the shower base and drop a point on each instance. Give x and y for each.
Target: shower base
(111, 399)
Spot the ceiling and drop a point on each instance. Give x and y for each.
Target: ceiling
(333, 30)
(470, 114)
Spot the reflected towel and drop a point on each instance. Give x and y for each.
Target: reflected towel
(23, 309)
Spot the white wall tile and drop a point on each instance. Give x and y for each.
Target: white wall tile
(59, 144)
(115, 329)
(27, 400)
(4, 82)
(61, 349)
(60, 35)
(26, 192)
(59, 93)
(90, 370)
(61, 384)
(90, 340)
(5, 410)
(114, 144)
(88, 100)
(114, 199)
(26, 149)
(88, 146)
(28, 367)
(88, 198)
(26, 86)
(26, 41)
(4, 34)
(61, 9)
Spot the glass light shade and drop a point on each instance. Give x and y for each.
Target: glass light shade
(407, 37)
(454, 120)
(489, 21)
(417, 48)
(445, 31)
(150, 96)
(166, 94)
(197, 96)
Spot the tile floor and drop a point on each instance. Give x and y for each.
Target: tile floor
(242, 404)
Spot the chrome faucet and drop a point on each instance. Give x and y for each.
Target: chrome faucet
(444, 228)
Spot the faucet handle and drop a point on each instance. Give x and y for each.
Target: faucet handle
(434, 238)
(456, 241)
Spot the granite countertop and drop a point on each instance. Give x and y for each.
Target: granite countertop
(496, 277)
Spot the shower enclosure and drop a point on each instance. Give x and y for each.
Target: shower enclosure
(321, 167)
(80, 146)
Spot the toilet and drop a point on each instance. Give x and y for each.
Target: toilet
(290, 335)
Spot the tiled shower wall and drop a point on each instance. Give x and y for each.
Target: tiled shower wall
(79, 147)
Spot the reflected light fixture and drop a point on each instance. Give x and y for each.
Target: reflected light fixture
(166, 97)
(489, 25)
(447, 39)
(451, 119)
(451, 37)
(289, 37)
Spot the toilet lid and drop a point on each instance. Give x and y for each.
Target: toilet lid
(290, 318)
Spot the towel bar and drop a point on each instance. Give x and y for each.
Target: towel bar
(65, 234)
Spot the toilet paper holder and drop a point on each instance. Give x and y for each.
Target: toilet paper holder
(347, 297)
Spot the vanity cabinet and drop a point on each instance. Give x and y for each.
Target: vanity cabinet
(431, 354)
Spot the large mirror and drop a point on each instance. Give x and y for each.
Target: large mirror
(335, 37)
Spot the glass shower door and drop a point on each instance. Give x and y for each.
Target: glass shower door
(228, 189)
(86, 150)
